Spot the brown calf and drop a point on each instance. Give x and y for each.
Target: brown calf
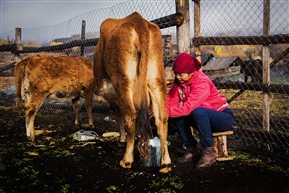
(39, 76)
(129, 72)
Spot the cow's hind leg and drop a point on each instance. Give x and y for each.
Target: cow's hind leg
(32, 106)
(128, 158)
(246, 77)
(157, 94)
(162, 128)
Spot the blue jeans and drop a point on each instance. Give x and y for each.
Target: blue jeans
(205, 121)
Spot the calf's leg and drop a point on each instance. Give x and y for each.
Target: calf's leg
(120, 121)
(88, 103)
(32, 106)
(76, 107)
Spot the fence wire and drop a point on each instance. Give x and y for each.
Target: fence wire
(219, 18)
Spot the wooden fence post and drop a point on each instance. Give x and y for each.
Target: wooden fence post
(82, 36)
(19, 46)
(167, 44)
(197, 27)
(183, 31)
(166, 40)
(266, 66)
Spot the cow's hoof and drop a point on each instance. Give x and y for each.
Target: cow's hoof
(91, 126)
(165, 168)
(30, 138)
(122, 140)
(125, 164)
(121, 143)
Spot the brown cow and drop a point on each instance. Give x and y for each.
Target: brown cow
(252, 68)
(39, 76)
(129, 72)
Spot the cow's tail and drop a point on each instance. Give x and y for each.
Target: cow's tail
(143, 121)
(18, 73)
(144, 131)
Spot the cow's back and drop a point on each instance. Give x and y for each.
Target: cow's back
(128, 48)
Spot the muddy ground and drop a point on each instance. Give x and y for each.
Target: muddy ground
(58, 163)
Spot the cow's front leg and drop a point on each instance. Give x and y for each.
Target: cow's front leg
(88, 103)
(120, 119)
(76, 107)
(122, 137)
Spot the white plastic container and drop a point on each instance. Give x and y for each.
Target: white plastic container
(83, 135)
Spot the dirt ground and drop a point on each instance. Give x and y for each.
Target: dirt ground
(58, 163)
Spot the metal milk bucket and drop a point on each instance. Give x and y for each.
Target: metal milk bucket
(154, 153)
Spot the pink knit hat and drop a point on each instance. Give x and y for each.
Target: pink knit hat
(185, 63)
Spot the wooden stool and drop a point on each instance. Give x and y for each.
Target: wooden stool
(220, 145)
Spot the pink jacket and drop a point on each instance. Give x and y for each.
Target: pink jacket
(199, 91)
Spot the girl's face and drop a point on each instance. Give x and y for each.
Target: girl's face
(183, 77)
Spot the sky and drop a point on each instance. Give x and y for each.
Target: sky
(39, 13)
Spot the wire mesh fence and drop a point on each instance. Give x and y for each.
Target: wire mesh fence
(235, 31)
(221, 20)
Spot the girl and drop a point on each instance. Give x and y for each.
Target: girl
(195, 101)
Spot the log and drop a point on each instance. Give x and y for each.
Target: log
(242, 40)
(266, 88)
(7, 47)
(176, 19)
(74, 43)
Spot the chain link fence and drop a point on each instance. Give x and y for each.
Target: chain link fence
(243, 22)
(238, 25)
